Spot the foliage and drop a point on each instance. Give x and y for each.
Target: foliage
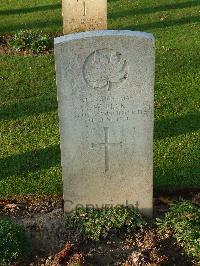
(14, 244)
(32, 41)
(94, 224)
(183, 219)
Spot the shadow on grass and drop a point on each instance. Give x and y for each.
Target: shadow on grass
(176, 178)
(175, 126)
(153, 9)
(164, 24)
(32, 161)
(29, 107)
(26, 10)
(37, 24)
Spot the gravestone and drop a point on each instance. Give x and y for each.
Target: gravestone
(84, 15)
(105, 82)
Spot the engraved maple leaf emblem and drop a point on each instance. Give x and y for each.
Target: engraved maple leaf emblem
(105, 69)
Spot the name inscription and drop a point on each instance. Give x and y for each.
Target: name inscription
(111, 109)
(87, 23)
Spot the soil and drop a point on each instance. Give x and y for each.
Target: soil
(43, 219)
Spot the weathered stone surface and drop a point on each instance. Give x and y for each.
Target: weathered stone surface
(105, 83)
(84, 15)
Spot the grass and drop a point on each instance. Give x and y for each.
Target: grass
(29, 154)
(33, 14)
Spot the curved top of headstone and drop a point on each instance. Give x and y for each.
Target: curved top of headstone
(102, 33)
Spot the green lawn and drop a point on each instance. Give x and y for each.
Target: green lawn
(32, 14)
(29, 140)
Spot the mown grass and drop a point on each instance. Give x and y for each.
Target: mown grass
(42, 15)
(29, 154)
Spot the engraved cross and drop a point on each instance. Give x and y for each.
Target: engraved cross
(106, 144)
(84, 8)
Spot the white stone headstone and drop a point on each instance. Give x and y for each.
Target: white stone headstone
(84, 15)
(105, 82)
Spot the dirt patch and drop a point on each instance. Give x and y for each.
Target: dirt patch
(6, 49)
(43, 219)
